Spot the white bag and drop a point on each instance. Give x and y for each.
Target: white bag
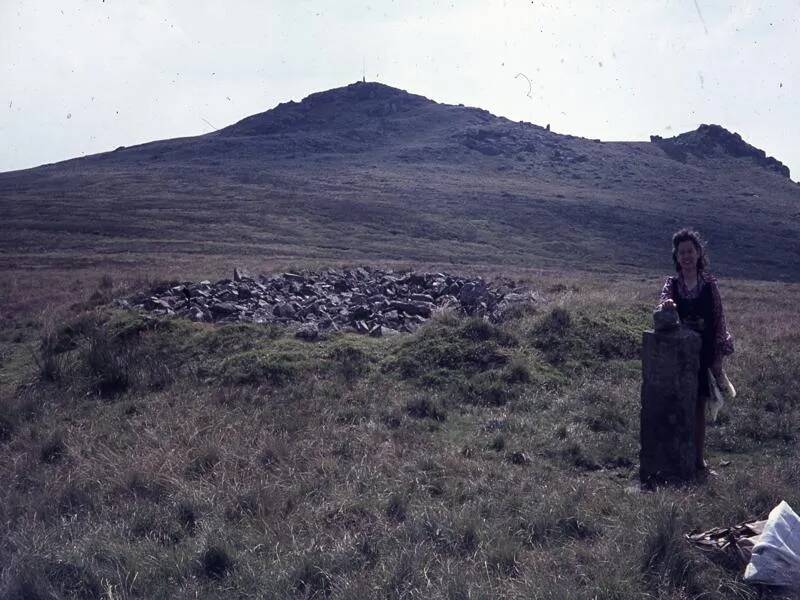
(776, 555)
(715, 401)
(721, 389)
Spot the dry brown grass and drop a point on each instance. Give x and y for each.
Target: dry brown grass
(372, 484)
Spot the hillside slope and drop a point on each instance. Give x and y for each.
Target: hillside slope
(369, 172)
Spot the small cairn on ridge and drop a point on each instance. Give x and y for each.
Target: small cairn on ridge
(367, 300)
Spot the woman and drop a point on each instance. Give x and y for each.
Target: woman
(694, 293)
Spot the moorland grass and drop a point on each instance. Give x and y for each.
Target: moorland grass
(172, 459)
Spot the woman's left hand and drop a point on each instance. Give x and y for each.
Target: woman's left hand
(668, 303)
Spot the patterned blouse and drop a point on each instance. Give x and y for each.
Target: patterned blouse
(724, 340)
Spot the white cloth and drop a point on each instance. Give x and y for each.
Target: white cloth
(720, 390)
(776, 555)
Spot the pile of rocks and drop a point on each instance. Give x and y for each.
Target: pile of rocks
(367, 300)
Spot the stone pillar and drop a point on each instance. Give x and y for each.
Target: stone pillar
(670, 364)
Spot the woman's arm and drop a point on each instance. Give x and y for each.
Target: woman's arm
(723, 341)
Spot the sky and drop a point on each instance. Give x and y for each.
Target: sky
(79, 77)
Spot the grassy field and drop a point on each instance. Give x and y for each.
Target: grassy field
(152, 458)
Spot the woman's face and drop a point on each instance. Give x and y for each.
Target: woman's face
(687, 255)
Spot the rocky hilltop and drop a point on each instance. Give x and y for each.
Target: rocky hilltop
(714, 140)
(350, 106)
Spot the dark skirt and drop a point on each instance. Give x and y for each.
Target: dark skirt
(703, 382)
(706, 356)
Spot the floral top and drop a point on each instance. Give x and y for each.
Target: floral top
(724, 340)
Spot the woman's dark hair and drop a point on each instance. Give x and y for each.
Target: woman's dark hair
(691, 235)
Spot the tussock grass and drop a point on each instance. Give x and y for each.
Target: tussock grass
(53, 448)
(215, 561)
(423, 407)
(7, 424)
(667, 561)
(397, 507)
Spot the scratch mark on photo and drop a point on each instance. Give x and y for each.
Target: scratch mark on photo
(700, 14)
(530, 85)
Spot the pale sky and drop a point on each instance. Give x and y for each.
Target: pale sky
(79, 77)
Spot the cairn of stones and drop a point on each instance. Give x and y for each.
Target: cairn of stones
(366, 300)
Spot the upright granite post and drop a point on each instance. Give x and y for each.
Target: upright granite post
(670, 364)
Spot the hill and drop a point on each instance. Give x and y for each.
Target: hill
(368, 172)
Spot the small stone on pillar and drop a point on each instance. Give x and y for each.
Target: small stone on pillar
(670, 365)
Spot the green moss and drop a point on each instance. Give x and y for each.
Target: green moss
(528, 368)
(262, 366)
(351, 356)
(473, 361)
(481, 362)
(125, 324)
(443, 352)
(488, 388)
(586, 338)
(237, 337)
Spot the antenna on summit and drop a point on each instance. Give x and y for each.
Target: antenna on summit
(363, 70)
